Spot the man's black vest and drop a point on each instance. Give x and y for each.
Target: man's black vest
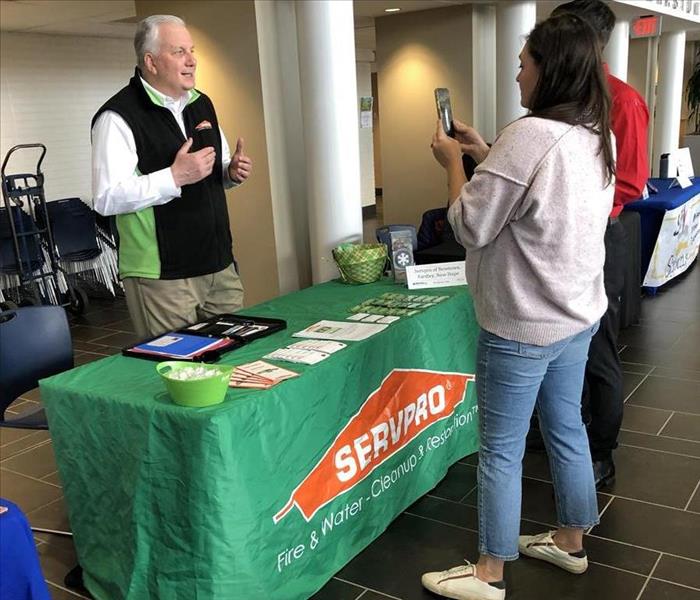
(192, 231)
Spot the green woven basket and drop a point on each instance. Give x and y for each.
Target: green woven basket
(360, 263)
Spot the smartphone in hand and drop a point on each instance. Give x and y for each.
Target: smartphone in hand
(444, 110)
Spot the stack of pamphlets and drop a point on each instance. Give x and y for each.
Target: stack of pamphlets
(259, 375)
(340, 331)
(307, 352)
(395, 304)
(180, 346)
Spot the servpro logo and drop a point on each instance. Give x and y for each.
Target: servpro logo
(405, 404)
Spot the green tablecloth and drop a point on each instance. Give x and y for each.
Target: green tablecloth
(269, 494)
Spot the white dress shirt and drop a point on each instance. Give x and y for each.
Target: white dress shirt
(117, 186)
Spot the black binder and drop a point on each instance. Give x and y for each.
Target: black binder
(232, 330)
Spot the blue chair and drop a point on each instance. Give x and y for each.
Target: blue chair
(35, 342)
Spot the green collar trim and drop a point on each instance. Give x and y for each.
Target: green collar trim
(159, 99)
(155, 98)
(194, 95)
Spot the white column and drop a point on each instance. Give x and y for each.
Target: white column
(279, 75)
(484, 69)
(331, 142)
(514, 21)
(669, 95)
(617, 51)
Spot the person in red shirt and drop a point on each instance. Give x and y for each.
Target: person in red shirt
(603, 399)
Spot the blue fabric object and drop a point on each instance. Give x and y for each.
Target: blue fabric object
(20, 573)
(651, 212)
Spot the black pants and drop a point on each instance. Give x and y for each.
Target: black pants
(602, 389)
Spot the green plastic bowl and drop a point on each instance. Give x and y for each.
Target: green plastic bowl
(205, 391)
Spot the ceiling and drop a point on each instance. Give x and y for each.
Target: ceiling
(99, 18)
(116, 18)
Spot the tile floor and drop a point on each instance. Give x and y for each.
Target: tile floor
(647, 546)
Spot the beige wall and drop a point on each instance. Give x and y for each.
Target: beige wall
(228, 72)
(417, 52)
(73, 80)
(637, 65)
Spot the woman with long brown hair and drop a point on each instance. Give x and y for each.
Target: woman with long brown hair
(532, 220)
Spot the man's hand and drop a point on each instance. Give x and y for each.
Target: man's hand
(470, 141)
(446, 150)
(192, 167)
(241, 165)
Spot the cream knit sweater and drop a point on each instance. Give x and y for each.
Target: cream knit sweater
(532, 220)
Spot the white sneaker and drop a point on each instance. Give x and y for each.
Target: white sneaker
(460, 583)
(542, 546)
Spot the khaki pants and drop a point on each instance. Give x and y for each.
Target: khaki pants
(159, 305)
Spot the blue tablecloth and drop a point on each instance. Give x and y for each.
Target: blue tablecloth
(653, 209)
(20, 573)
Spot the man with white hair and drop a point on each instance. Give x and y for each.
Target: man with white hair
(160, 164)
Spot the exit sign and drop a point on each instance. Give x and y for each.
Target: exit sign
(648, 26)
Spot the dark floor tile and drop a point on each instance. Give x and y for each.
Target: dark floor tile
(393, 563)
(58, 593)
(53, 478)
(531, 579)
(677, 373)
(117, 340)
(660, 590)
(655, 442)
(13, 440)
(368, 595)
(683, 426)
(644, 420)
(51, 516)
(87, 357)
(657, 477)
(28, 494)
(630, 382)
(79, 345)
(472, 459)
(620, 556)
(687, 343)
(459, 481)
(34, 395)
(37, 462)
(85, 333)
(654, 336)
(450, 513)
(654, 313)
(536, 466)
(56, 561)
(123, 325)
(637, 368)
(661, 358)
(668, 394)
(338, 590)
(678, 570)
(694, 503)
(653, 527)
(101, 318)
(410, 546)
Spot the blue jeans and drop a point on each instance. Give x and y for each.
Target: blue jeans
(511, 378)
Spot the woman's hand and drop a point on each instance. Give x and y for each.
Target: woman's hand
(448, 153)
(470, 141)
(446, 150)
